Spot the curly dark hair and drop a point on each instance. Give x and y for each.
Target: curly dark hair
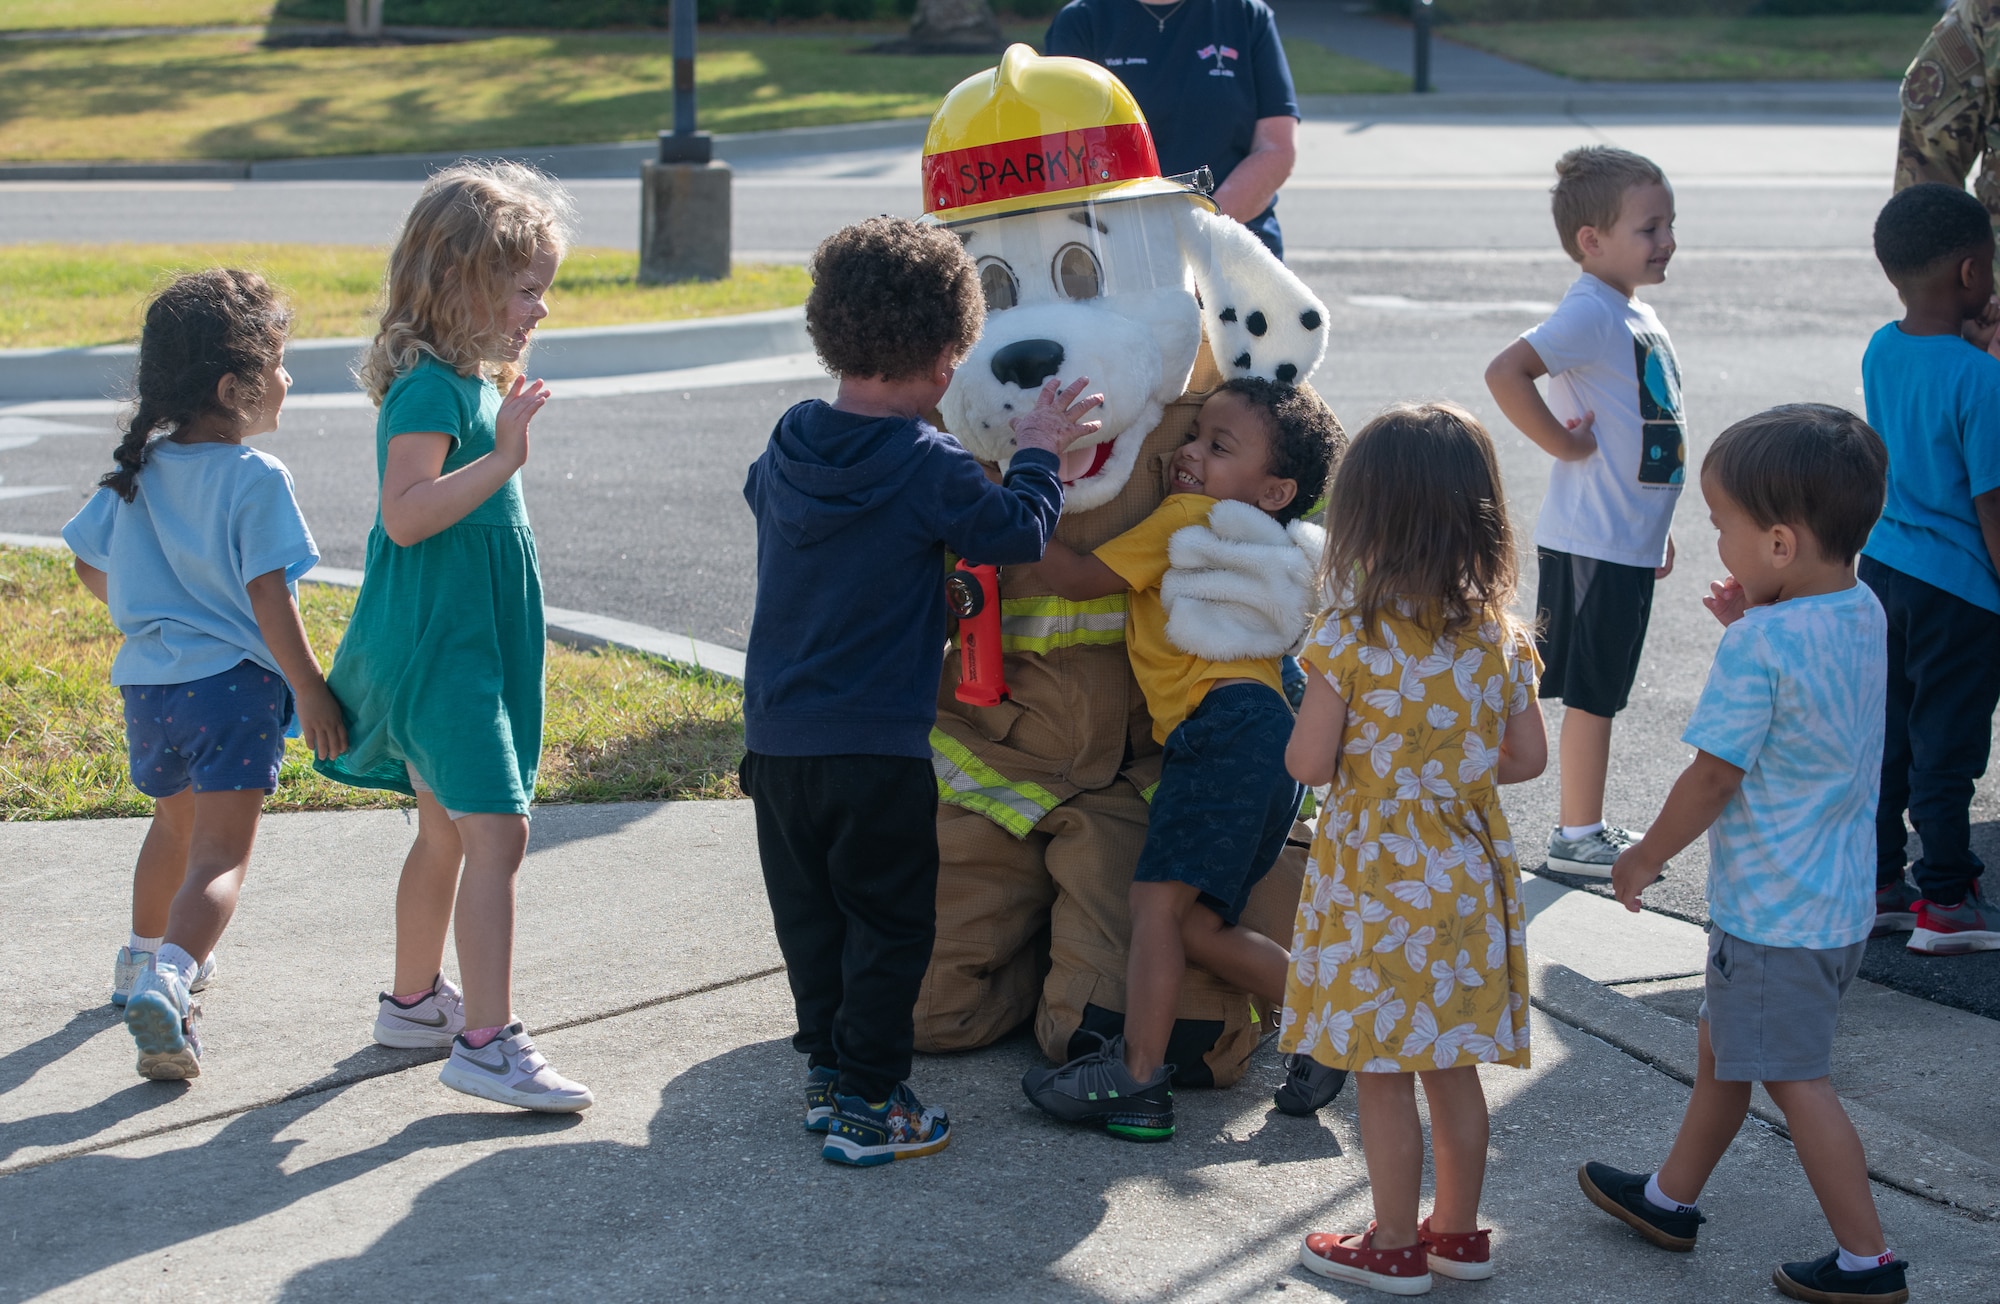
(1926, 224)
(1805, 464)
(1306, 438)
(888, 296)
(202, 327)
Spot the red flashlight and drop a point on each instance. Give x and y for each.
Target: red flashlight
(973, 594)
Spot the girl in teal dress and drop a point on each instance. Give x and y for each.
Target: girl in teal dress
(440, 672)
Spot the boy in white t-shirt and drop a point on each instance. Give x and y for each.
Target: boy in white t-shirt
(1613, 422)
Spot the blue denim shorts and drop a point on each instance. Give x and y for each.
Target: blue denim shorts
(1224, 803)
(225, 733)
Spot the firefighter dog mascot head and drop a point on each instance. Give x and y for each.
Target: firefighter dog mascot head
(1093, 265)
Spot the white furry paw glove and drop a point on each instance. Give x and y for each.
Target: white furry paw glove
(1241, 587)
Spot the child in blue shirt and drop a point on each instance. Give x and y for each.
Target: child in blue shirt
(195, 542)
(1934, 561)
(1789, 732)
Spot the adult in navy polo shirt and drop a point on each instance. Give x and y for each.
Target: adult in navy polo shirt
(1212, 79)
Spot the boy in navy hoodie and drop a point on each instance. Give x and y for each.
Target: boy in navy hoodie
(857, 502)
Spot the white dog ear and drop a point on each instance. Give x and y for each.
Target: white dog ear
(1261, 320)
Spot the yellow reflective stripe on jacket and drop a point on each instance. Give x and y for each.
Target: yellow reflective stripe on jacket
(964, 780)
(1041, 625)
(1148, 791)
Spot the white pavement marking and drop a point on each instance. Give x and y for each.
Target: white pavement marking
(10, 426)
(30, 490)
(1402, 303)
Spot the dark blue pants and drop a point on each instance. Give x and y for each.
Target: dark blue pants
(1944, 681)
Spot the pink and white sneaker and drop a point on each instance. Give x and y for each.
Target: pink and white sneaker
(428, 1025)
(511, 1071)
(1402, 1271)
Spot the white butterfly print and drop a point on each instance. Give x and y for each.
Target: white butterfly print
(1496, 944)
(1305, 965)
(1417, 891)
(1334, 955)
(1414, 944)
(1451, 975)
(1364, 979)
(1381, 1065)
(1444, 1046)
(1492, 697)
(1388, 1009)
(1479, 758)
(1410, 784)
(1330, 1025)
(1406, 850)
(1336, 638)
(1440, 716)
(1464, 668)
(1466, 905)
(1432, 664)
(1482, 1047)
(1381, 660)
(1377, 746)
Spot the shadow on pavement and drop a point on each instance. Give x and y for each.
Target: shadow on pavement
(17, 1066)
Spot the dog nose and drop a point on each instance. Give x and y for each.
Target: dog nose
(1027, 363)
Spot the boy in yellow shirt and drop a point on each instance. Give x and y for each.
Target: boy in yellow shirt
(1224, 803)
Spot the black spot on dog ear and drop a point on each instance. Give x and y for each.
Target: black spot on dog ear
(1243, 361)
(1309, 319)
(1229, 314)
(1255, 321)
(1287, 373)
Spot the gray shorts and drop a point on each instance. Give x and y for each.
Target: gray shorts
(1770, 1010)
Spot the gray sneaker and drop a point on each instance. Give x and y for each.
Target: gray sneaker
(1591, 855)
(130, 964)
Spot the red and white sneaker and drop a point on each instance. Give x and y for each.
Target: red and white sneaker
(1466, 1256)
(1971, 925)
(1403, 1271)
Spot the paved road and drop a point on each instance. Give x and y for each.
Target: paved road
(1429, 242)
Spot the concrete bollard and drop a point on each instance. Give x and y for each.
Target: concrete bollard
(683, 222)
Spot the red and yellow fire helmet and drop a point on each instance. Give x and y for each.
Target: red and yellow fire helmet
(1038, 132)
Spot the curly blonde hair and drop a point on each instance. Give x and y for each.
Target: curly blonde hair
(475, 227)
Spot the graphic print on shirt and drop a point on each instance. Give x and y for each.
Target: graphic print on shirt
(1663, 440)
(1217, 53)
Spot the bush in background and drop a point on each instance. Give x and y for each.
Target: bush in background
(1507, 11)
(586, 15)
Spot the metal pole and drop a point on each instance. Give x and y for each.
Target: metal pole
(1420, 25)
(684, 144)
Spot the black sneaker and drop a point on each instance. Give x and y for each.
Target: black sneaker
(1623, 1196)
(1308, 1085)
(1096, 1090)
(820, 1106)
(1821, 1281)
(1895, 908)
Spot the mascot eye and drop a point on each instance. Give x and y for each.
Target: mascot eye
(997, 284)
(1077, 273)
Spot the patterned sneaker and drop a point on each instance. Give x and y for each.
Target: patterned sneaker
(1623, 1196)
(510, 1070)
(1404, 1271)
(130, 964)
(819, 1098)
(1097, 1090)
(161, 1017)
(1463, 1256)
(900, 1127)
(1971, 925)
(1821, 1281)
(1308, 1085)
(1591, 855)
(1895, 908)
(432, 1022)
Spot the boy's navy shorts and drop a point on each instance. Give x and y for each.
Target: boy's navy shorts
(1592, 617)
(1224, 803)
(225, 733)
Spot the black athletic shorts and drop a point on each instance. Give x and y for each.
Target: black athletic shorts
(1591, 616)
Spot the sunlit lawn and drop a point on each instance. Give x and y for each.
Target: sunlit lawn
(1854, 47)
(35, 15)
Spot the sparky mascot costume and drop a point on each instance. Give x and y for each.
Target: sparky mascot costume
(1093, 264)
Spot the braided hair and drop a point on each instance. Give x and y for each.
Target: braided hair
(202, 327)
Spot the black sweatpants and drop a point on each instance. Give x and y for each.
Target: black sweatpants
(850, 855)
(1944, 679)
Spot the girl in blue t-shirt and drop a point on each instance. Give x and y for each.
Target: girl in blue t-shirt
(194, 542)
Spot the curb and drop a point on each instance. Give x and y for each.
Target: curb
(1898, 1155)
(325, 366)
(578, 629)
(1639, 101)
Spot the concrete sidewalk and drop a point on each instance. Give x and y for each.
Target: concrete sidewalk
(308, 1163)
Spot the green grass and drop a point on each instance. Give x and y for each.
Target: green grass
(62, 295)
(41, 15)
(225, 96)
(619, 727)
(1852, 47)
(1317, 70)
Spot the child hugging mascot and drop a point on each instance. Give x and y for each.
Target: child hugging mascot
(1095, 265)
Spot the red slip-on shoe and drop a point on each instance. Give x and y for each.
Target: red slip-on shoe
(1466, 1256)
(1403, 1271)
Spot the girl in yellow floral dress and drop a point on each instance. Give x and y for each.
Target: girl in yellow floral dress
(1407, 958)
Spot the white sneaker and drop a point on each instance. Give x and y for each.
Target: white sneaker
(161, 1017)
(430, 1023)
(130, 964)
(510, 1070)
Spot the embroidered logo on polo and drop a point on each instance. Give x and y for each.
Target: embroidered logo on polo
(1217, 53)
(1662, 438)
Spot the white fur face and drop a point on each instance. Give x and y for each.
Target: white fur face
(1108, 291)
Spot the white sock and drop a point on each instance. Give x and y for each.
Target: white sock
(1661, 1200)
(1863, 1262)
(1575, 831)
(173, 957)
(150, 945)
